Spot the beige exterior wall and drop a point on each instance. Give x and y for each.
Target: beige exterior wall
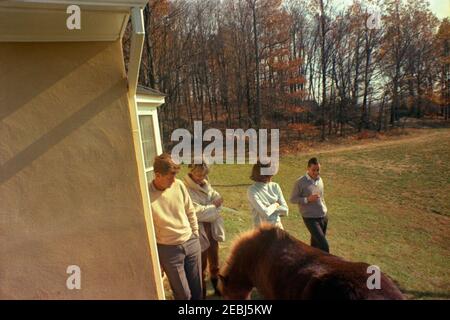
(69, 188)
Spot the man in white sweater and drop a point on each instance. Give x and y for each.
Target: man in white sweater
(176, 230)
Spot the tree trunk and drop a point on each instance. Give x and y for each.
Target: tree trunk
(256, 48)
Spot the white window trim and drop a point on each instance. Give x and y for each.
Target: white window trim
(150, 111)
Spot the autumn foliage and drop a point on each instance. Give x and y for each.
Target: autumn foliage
(308, 67)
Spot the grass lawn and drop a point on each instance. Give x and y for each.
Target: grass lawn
(388, 203)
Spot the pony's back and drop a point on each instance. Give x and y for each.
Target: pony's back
(282, 267)
(338, 286)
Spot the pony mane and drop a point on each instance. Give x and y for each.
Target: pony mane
(263, 236)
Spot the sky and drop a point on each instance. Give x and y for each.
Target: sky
(441, 8)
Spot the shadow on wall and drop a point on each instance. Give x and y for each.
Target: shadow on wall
(64, 129)
(12, 97)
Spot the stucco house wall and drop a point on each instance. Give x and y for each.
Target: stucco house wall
(69, 188)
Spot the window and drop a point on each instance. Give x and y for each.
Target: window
(148, 125)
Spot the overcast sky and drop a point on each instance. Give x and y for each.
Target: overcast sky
(441, 8)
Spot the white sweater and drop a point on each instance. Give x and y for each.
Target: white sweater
(263, 198)
(173, 214)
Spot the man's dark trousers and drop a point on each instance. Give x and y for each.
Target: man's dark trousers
(318, 228)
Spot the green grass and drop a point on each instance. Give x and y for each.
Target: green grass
(388, 205)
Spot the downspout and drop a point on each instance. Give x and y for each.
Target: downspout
(137, 43)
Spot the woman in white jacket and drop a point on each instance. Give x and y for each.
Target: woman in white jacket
(266, 198)
(208, 205)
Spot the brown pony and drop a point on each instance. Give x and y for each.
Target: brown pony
(282, 267)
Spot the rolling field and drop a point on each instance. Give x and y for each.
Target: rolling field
(388, 202)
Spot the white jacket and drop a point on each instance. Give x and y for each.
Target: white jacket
(203, 197)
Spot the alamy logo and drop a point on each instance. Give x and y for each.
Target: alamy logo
(374, 280)
(213, 153)
(374, 19)
(74, 280)
(74, 20)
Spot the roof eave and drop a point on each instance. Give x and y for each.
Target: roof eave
(96, 3)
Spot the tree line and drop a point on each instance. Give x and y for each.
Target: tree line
(312, 68)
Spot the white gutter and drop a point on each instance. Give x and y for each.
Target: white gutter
(137, 43)
(113, 3)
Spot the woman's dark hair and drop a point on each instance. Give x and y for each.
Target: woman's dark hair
(256, 172)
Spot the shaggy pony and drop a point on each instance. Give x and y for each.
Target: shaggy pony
(282, 267)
